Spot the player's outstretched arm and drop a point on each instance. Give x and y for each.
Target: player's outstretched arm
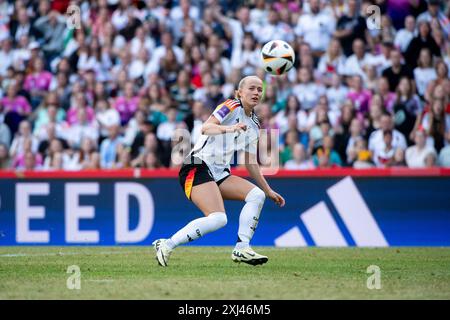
(255, 172)
(213, 127)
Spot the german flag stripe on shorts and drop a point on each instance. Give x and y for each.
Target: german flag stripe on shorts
(189, 182)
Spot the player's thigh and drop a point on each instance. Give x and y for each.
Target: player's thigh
(235, 188)
(207, 198)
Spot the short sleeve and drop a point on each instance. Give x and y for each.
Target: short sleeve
(224, 110)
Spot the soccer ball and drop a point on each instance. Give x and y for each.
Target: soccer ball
(278, 57)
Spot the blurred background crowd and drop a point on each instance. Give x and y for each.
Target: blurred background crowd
(122, 88)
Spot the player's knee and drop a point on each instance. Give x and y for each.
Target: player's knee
(220, 219)
(256, 195)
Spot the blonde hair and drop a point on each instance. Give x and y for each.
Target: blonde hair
(241, 85)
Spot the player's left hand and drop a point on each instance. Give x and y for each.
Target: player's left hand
(277, 198)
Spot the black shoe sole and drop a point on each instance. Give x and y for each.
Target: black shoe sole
(256, 262)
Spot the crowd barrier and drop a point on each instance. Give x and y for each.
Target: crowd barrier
(336, 207)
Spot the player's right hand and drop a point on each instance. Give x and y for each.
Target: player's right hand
(239, 127)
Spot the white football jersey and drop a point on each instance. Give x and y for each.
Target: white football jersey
(217, 151)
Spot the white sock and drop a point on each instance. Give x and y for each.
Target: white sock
(198, 228)
(249, 217)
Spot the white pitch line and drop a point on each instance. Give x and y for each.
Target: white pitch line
(47, 254)
(146, 250)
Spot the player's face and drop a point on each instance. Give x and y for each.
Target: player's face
(251, 92)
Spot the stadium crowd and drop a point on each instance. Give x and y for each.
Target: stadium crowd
(113, 91)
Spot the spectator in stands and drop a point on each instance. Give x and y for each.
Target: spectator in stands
(127, 104)
(108, 147)
(388, 155)
(273, 28)
(326, 156)
(123, 157)
(424, 73)
(246, 58)
(359, 60)
(360, 155)
(332, 62)
(320, 130)
(342, 126)
(351, 26)
(5, 133)
(407, 106)
(56, 158)
(144, 127)
(182, 93)
(165, 133)
(442, 77)
(22, 26)
(423, 40)
(20, 157)
(80, 129)
(436, 123)
(444, 157)
(387, 33)
(434, 13)
(273, 99)
(47, 134)
(53, 27)
(51, 115)
(48, 111)
(438, 35)
(397, 70)
(150, 161)
(213, 94)
(165, 130)
(30, 162)
(166, 49)
(387, 96)
(14, 103)
(358, 95)
(377, 143)
(86, 157)
(373, 118)
(371, 77)
(316, 28)
(290, 139)
(356, 132)
(307, 91)
(150, 144)
(106, 117)
(404, 36)
(420, 155)
(5, 161)
(336, 95)
(290, 5)
(38, 82)
(22, 53)
(299, 159)
(6, 56)
(24, 133)
(281, 118)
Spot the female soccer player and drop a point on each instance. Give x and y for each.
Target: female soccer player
(206, 179)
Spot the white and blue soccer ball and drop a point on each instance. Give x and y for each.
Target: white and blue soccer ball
(278, 57)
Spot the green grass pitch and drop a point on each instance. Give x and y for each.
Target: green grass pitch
(207, 273)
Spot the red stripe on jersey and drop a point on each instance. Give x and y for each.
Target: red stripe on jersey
(231, 103)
